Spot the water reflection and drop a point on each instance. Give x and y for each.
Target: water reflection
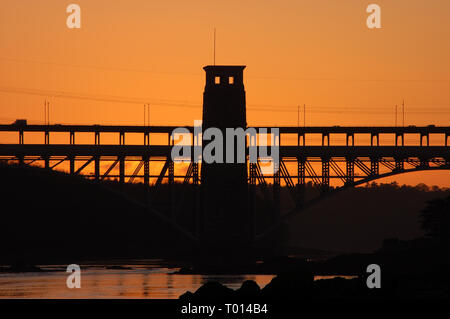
(133, 281)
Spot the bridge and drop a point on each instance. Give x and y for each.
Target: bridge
(364, 157)
(331, 158)
(350, 164)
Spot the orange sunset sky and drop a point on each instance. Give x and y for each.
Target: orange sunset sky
(319, 53)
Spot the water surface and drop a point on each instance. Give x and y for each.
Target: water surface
(149, 279)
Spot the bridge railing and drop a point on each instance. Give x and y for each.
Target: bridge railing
(292, 136)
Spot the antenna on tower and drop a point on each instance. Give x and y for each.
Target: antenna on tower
(214, 46)
(304, 115)
(403, 104)
(47, 112)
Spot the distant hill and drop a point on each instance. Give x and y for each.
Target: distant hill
(50, 216)
(359, 219)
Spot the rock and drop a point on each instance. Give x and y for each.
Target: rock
(213, 291)
(248, 290)
(186, 297)
(296, 284)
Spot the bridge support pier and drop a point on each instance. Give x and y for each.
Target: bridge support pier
(251, 199)
(325, 174)
(171, 171)
(374, 166)
(72, 165)
(97, 168)
(47, 162)
(146, 161)
(276, 197)
(300, 181)
(121, 170)
(20, 158)
(350, 171)
(197, 200)
(399, 164)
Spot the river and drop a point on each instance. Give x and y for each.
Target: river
(138, 279)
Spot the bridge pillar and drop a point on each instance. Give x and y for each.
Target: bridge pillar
(197, 200)
(147, 138)
(325, 173)
(446, 139)
(97, 168)
(46, 161)
(72, 165)
(122, 169)
(122, 138)
(195, 175)
(424, 163)
(300, 171)
(276, 197)
(252, 198)
(171, 170)
(72, 138)
(46, 137)
(399, 164)
(374, 166)
(146, 161)
(350, 163)
(21, 160)
(300, 181)
(21, 137)
(252, 168)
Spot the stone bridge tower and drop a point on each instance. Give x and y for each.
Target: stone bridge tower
(226, 221)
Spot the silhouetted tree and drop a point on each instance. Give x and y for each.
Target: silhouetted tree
(435, 218)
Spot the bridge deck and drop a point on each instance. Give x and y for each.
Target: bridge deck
(283, 129)
(425, 152)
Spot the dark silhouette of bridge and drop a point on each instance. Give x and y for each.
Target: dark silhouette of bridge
(347, 165)
(397, 158)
